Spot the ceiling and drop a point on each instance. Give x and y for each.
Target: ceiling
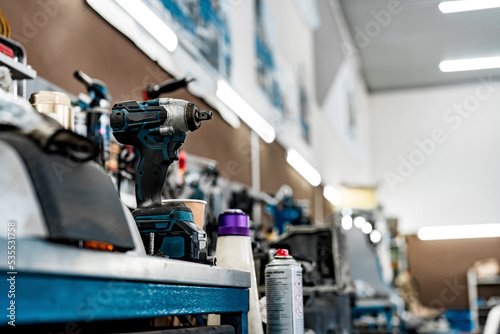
(405, 53)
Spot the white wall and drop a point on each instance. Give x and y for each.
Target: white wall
(291, 40)
(338, 160)
(457, 179)
(343, 161)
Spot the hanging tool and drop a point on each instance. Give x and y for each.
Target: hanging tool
(97, 114)
(154, 91)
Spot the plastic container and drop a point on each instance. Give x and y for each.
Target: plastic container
(234, 250)
(56, 105)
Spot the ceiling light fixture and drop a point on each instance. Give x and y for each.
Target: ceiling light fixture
(367, 228)
(346, 211)
(448, 7)
(303, 167)
(151, 22)
(359, 221)
(244, 111)
(347, 222)
(459, 232)
(375, 236)
(332, 195)
(469, 64)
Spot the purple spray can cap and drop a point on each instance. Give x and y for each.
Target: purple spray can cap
(233, 222)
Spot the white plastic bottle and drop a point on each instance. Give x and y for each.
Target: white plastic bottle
(234, 250)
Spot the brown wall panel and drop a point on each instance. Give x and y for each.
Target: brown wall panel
(327, 206)
(75, 37)
(440, 267)
(228, 146)
(61, 36)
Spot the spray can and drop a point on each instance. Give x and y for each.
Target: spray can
(285, 310)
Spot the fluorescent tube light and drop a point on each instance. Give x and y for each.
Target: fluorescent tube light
(448, 7)
(245, 112)
(469, 64)
(303, 167)
(332, 195)
(459, 232)
(151, 22)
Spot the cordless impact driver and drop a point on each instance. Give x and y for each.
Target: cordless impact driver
(158, 128)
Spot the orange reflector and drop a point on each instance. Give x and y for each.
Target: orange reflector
(104, 246)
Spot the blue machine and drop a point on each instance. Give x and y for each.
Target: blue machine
(285, 212)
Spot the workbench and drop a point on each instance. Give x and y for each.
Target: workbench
(57, 283)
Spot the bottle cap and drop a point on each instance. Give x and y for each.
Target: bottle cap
(233, 222)
(282, 252)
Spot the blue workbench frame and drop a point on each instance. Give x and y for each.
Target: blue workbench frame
(45, 299)
(384, 308)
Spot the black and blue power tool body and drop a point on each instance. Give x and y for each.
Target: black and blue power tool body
(158, 128)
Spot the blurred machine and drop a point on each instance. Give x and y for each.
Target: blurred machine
(320, 251)
(376, 305)
(286, 211)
